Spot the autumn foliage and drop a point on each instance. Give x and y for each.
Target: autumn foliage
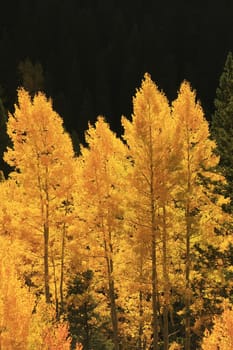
(56, 337)
(221, 336)
(16, 303)
(115, 248)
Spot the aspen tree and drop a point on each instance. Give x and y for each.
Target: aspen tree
(104, 168)
(147, 139)
(200, 210)
(42, 156)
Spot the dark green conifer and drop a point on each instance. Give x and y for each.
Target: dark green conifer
(222, 127)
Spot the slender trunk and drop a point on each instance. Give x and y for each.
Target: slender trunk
(140, 331)
(45, 210)
(165, 327)
(187, 252)
(166, 284)
(154, 282)
(62, 269)
(55, 288)
(140, 328)
(111, 286)
(155, 323)
(113, 314)
(113, 303)
(187, 282)
(46, 262)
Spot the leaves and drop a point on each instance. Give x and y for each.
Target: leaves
(221, 336)
(16, 302)
(142, 216)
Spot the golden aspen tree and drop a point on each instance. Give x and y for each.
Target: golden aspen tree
(195, 196)
(167, 218)
(104, 168)
(138, 261)
(42, 156)
(147, 137)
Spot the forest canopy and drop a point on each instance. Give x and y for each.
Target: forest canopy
(125, 244)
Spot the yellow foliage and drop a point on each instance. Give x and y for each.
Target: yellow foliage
(221, 336)
(132, 212)
(43, 158)
(42, 318)
(16, 303)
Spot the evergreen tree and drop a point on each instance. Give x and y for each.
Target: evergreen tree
(85, 324)
(31, 76)
(222, 126)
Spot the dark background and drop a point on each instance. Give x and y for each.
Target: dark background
(94, 53)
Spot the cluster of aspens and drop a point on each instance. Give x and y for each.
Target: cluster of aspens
(140, 213)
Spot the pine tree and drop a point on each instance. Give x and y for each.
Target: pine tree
(222, 127)
(32, 76)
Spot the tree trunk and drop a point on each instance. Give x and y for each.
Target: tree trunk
(154, 282)
(46, 262)
(155, 323)
(45, 213)
(166, 284)
(140, 330)
(187, 255)
(112, 298)
(187, 281)
(113, 314)
(140, 327)
(111, 286)
(62, 269)
(55, 288)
